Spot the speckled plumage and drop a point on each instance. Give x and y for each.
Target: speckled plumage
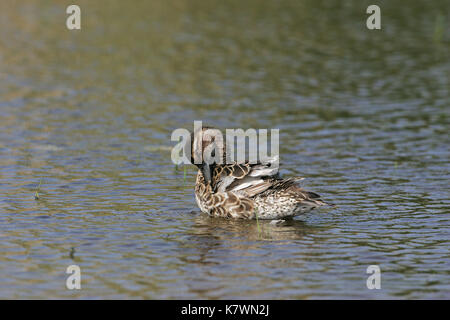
(245, 190)
(253, 191)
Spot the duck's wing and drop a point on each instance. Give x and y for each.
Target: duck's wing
(246, 179)
(262, 179)
(290, 188)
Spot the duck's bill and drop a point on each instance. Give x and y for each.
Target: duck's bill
(206, 170)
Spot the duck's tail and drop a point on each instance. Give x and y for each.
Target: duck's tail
(305, 196)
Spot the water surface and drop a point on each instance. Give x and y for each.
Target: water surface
(363, 116)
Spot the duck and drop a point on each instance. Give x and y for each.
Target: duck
(248, 190)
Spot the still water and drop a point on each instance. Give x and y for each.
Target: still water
(363, 116)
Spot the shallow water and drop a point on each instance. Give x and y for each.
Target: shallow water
(363, 116)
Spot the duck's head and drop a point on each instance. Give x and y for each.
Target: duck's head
(207, 150)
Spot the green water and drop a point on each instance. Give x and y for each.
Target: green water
(363, 116)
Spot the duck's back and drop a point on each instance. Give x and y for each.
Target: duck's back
(253, 191)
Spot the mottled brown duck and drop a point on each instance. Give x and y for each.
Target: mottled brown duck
(248, 191)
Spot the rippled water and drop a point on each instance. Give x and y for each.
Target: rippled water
(363, 115)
